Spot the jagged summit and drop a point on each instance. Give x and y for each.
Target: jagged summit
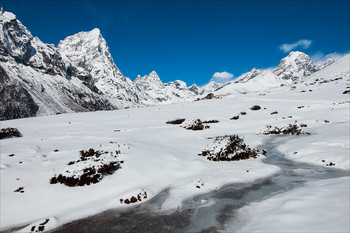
(296, 65)
(92, 62)
(248, 76)
(153, 76)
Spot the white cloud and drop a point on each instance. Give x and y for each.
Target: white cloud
(222, 77)
(319, 57)
(300, 43)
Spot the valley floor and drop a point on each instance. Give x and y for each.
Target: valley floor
(158, 156)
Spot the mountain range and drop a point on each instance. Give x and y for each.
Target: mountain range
(79, 74)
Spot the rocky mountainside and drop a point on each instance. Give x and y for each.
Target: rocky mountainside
(295, 66)
(79, 74)
(88, 55)
(35, 78)
(155, 91)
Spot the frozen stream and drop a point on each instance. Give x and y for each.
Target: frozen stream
(211, 211)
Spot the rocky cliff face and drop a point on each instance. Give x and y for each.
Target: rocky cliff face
(91, 62)
(35, 78)
(77, 75)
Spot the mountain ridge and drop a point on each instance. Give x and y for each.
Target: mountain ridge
(79, 74)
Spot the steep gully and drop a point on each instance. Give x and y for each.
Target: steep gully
(211, 211)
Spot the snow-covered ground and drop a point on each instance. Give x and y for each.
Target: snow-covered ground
(157, 155)
(320, 206)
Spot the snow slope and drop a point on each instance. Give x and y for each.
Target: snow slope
(157, 155)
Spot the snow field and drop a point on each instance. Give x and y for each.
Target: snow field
(159, 156)
(320, 206)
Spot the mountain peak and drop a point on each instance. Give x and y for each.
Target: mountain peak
(6, 16)
(295, 56)
(248, 76)
(296, 65)
(154, 75)
(95, 31)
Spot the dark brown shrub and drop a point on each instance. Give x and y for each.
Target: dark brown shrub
(126, 201)
(272, 113)
(197, 125)
(210, 122)
(232, 148)
(20, 190)
(291, 129)
(133, 199)
(91, 175)
(234, 118)
(176, 121)
(243, 113)
(9, 133)
(89, 153)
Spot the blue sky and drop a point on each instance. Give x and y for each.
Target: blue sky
(193, 40)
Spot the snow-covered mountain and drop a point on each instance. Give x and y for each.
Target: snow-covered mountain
(91, 61)
(80, 75)
(252, 81)
(35, 79)
(155, 91)
(158, 156)
(77, 75)
(295, 66)
(248, 76)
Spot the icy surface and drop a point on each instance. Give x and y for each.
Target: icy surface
(320, 206)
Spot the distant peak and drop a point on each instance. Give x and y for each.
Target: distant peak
(153, 77)
(6, 16)
(296, 54)
(153, 73)
(95, 32)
